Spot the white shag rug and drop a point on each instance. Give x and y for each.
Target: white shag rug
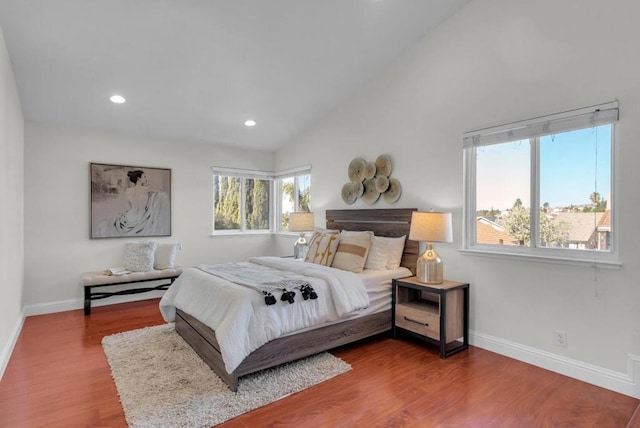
(162, 382)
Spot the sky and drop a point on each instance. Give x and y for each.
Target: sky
(573, 165)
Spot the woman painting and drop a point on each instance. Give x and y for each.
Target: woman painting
(148, 212)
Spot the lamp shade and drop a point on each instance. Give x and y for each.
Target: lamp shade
(301, 222)
(431, 227)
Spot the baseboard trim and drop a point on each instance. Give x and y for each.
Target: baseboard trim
(71, 305)
(11, 344)
(624, 383)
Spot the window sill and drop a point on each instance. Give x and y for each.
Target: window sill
(613, 264)
(236, 233)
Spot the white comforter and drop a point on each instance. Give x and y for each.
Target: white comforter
(241, 319)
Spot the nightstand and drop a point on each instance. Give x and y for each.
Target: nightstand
(435, 313)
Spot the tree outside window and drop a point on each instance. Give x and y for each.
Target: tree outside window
(241, 203)
(296, 196)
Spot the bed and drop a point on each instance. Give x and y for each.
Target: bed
(309, 341)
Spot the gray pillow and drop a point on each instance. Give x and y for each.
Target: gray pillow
(139, 256)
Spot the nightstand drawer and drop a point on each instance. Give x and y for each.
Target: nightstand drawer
(418, 321)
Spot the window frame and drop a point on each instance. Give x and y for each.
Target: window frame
(275, 197)
(244, 175)
(279, 177)
(532, 130)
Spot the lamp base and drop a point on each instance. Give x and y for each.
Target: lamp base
(300, 247)
(429, 267)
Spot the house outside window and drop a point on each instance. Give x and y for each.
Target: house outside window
(544, 188)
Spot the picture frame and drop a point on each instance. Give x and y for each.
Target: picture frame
(129, 201)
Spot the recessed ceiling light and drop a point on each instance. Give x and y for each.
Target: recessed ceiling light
(250, 123)
(118, 99)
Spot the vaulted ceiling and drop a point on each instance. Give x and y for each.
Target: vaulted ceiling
(196, 70)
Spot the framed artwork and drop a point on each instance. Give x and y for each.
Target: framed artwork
(130, 201)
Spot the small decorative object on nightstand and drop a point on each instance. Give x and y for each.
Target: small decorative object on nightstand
(301, 222)
(435, 313)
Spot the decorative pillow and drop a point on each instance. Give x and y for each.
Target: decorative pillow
(365, 234)
(165, 256)
(378, 254)
(323, 230)
(352, 253)
(322, 248)
(138, 256)
(395, 248)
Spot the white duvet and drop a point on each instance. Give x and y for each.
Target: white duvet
(241, 319)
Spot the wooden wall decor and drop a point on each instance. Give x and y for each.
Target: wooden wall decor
(370, 180)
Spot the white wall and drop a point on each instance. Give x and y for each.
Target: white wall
(57, 244)
(11, 208)
(495, 62)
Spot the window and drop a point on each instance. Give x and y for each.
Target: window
(544, 187)
(242, 201)
(294, 189)
(246, 201)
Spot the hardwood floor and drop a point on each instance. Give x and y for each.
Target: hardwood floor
(58, 376)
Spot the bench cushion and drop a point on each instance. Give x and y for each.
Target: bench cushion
(99, 278)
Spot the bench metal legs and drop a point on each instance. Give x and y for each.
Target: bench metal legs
(89, 295)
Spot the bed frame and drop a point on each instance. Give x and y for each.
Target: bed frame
(383, 222)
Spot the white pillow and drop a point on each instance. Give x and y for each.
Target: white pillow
(138, 256)
(323, 230)
(378, 254)
(165, 257)
(365, 234)
(395, 248)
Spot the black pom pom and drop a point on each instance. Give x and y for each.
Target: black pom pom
(305, 292)
(312, 293)
(288, 296)
(269, 298)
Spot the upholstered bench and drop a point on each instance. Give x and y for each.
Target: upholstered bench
(91, 280)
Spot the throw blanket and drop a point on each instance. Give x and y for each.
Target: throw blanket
(263, 279)
(243, 322)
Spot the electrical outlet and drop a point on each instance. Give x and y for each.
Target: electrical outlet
(561, 338)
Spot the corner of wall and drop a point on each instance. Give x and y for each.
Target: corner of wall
(5, 355)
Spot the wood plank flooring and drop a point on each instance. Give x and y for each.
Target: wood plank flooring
(58, 376)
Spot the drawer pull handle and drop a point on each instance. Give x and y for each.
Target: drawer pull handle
(417, 322)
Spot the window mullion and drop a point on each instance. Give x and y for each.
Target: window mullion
(277, 204)
(243, 205)
(470, 205)
(272, 192)
(296, 193)
(535, 192)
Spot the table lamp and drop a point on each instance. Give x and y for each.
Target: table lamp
(301, 222)
(430, 227)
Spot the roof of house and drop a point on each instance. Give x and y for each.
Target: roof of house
(605, 221)
(581, 225)
(488, 232)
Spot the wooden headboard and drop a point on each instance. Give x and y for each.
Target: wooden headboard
(392, 222)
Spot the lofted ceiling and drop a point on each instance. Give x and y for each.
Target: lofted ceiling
(196, 70)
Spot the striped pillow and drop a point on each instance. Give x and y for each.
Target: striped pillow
(352, 253)
(322, 248)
